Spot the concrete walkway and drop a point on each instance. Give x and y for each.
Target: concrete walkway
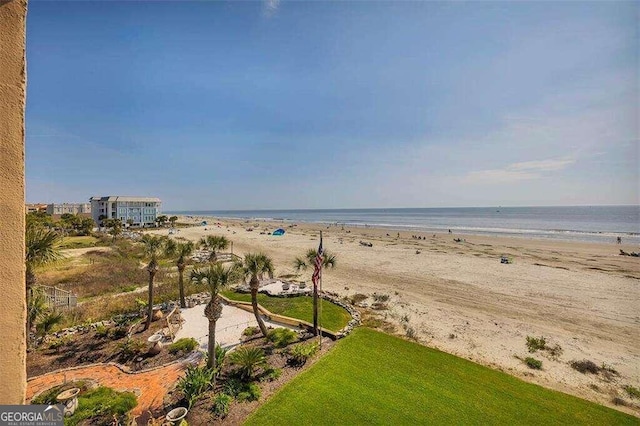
(229, 327)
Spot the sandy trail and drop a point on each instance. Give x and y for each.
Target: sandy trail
(459, 298)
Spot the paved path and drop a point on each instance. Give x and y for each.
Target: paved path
(150, 386)
(229, 327)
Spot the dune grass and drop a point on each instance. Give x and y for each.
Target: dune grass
(333, 317)
(374, 378)
(79, 242)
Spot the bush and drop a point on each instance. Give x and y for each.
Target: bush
(247, 360)
(358, 297)
(585, 366)
(380, 297)
(535, 344)
(57, 344)
(221, 403)
(250, 393)
(250, 331)
(102, 331)
(184, 345)
(131, 348)
(554, 351)
(299, 354)
(281, 337)
(195, 382)
(118, 332)
(536, 364)
(271, 374)
(632, 391)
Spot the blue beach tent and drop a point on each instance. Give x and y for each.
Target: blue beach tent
(278, 231)
(204, 222)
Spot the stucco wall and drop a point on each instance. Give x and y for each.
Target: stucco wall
(12, 105)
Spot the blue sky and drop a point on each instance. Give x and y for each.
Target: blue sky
(273, 105)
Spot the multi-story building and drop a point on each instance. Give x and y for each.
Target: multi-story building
(70, 208)
(140, 211)
(33, 208)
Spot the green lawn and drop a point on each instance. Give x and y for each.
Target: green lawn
(78, 242)
(333, 317)
(374, 378)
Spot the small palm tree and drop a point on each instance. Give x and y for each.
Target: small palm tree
(41, 247)
(248, 360)
(216, 277)
(214, 243)
(48, 320)
(153, 247)
(184, 251)
(254, 266)
(309, 260)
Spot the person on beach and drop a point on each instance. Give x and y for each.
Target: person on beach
(619, 239)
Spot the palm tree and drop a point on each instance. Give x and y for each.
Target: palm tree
(248, 359)
(41, 247)
(214, 243)
(254, 266)
(309, 259)
(183, 250)
(216, 277)
(302, 263)
(153, 247)
(173, 220)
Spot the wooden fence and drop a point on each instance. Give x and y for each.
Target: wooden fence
(59, 298)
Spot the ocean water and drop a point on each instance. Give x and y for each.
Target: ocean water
(584, 223)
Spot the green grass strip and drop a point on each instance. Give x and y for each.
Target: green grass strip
(374, 378)
(333, 318)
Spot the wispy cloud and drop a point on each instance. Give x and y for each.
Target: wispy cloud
(525, 170)
(270, 7)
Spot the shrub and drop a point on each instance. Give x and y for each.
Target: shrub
(233, 387)
(554, 351)
(60, 342)
(101, 331)
(299, 354)
(379, 306)
(184, 345)
(131, 348)
(535, 344)
(48, 321)
(195, 382)
(281, 337)
(248, 360)
(410, 332)
(632, 391)
(619, 401)
(358, 297)
(536, 364)
(380, 297)
(221, 403)
(251, 392)
(585, 366)
(271, 374)
(250, 331)
(118, 332)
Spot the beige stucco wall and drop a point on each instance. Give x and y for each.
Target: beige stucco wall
(12, 105)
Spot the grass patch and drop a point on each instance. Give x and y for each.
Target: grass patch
(374, 378)
(101, 405)
(79, 242)
(334, 317)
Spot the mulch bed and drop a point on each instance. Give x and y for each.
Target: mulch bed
(91, 348)
(200, 413)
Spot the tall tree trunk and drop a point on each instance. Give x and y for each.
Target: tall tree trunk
(181, 267)
(254, 303)
(150, 307)
(211, 349)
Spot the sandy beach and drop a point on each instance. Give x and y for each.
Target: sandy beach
(459, 298)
